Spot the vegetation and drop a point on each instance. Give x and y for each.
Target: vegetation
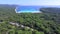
(38, 23)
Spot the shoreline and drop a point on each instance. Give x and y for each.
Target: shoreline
(27, 11)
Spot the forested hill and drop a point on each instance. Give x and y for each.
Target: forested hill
(53, 11)
(31, 23)
(7, 12)
(50, 10)
(7, 5)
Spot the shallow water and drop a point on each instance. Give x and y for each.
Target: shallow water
(27, 9)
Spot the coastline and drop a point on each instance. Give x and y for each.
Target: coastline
(27, 11)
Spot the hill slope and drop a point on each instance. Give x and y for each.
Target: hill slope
(42, 23)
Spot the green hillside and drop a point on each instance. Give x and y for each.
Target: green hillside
(31, 23)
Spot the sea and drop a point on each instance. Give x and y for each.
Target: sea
(30, 9)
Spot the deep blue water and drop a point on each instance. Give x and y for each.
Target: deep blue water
(25, 8)
(28, 9)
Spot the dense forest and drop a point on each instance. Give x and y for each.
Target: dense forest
(47, 22)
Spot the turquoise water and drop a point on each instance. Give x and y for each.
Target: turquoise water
(28, 9)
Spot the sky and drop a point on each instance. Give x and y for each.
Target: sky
(31, 2)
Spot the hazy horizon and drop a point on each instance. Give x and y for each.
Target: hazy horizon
(31, 2)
